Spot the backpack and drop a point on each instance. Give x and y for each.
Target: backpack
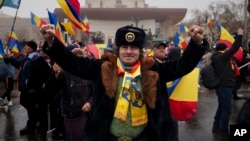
(209, 79)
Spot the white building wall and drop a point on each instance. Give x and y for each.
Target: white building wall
(112, 3)
(109, 27)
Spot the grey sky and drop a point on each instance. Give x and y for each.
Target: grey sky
(39, 7)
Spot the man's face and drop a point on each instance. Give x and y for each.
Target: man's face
(27, 49)
(160, 52)
(129, 54)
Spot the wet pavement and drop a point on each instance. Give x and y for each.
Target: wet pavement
(14, 118)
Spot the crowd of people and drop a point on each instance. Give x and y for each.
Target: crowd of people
(121, 96)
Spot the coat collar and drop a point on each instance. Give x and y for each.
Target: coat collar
(148, 80)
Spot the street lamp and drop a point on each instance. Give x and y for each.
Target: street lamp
(136, 20)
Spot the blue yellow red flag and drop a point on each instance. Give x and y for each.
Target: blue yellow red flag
(54, 20)
(15, 46)
(208, 22)
(228, 39)
(183, 103)
(179, 41)
(12, 35)
(86, 23)
(225, 36)
(72, 14)
(76, 5)
(35, 20)
(1, 49)
(183, 28)
(68, 28)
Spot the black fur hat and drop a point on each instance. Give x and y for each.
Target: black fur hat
(220, 46)
(32, 45)
(129, 35)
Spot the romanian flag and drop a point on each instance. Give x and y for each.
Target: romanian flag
(68, 28)
(183, 103)
(239, 54)
(228, 39)
(15, 46)
(97, 50)
(86, 23)
(209, 22)
(35, 20)
(183, 28)
(53, 20)
(94, 50)
(76, 5)
(1, 49)
(225, 36)
(179, 41)
(12, 35)
(71, 12)
(10, 3)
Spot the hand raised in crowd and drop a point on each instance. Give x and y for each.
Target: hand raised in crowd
(8, 53)
(48, 32)
(86, 107)
(197, 33)
(56, 69)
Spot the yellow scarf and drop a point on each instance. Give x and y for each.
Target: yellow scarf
(130, 96)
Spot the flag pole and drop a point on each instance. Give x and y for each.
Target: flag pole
(14, 21)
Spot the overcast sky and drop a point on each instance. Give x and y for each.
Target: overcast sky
(38, 7)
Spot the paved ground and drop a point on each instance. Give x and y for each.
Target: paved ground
(197, 129)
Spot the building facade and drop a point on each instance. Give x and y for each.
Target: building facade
(115, 4)
(106, 16)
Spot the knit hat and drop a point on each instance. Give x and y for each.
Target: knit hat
(70, 47)
(220, 46)
(129, 35)
(32, 45)
(160, 44)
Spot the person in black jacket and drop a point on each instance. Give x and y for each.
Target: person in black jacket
(131, 102)
(40, 70)
(221, 61)
(75, 99)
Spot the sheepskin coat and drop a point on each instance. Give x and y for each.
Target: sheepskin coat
(161, 126)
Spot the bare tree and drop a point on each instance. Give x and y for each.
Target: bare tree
(98, 37)
(230, 15)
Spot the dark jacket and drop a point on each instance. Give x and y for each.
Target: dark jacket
(222, 63)
(24, 65)
(39, 74)
(75, 92)
(161, 126)
(3, 70)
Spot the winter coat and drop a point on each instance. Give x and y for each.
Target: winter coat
(222, 63)
(75, 92)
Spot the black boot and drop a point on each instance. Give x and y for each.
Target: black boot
(235, 96)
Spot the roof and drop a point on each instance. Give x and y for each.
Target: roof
(159, 14)
(23, 28)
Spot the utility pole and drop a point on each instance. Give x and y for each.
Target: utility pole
(245, 40)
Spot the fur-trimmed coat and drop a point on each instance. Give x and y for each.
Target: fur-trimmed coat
(161, 126)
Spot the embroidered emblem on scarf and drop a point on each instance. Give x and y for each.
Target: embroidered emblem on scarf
(130, 96)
